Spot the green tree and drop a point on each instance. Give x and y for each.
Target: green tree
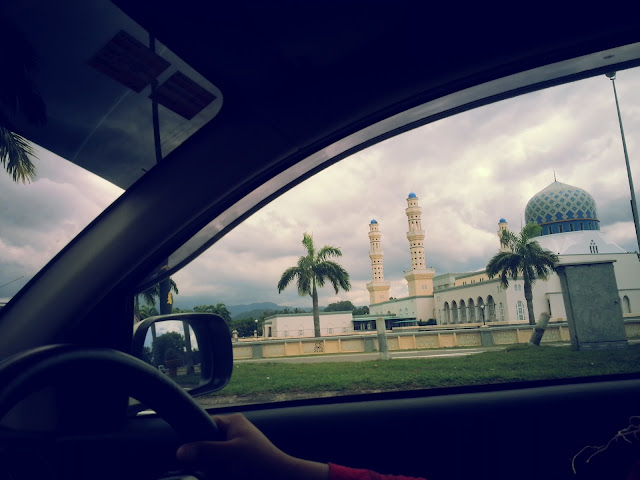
(246, 326)
(170, 342)
(361, 310)
(526, 257)
(343, 306)
(218, 308)
(147, 311)
(314, 270)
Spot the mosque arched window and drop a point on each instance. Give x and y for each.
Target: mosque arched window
(472, 311)
(491, 307)
(626, 305)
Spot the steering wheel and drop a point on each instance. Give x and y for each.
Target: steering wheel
(29, 371)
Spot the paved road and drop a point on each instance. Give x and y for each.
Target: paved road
(363, 357)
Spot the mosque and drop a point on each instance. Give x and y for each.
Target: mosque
(570, 228)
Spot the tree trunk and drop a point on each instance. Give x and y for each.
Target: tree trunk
(188, 360)
(528, 296)
(316, 312)
(538, 332)
(165, 288)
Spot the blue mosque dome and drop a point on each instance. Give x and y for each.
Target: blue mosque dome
(412, 195)
(502, 220)
(561, 208)
(374, 221)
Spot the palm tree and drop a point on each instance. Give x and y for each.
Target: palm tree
(147, 311)
(525, 257)
(149, 297)
(312, 271)
(18, 97)
(151, 294)
(218, 308)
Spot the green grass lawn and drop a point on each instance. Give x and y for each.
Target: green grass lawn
(516, 363)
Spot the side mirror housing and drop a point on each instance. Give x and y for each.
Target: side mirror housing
(198, 345)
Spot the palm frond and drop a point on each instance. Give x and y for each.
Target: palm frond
(305, 282)
(15, 153)
(334, 273)
(307, 241)
(328, 251)
(286, 278)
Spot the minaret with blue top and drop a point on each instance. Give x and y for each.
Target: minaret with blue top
(502, 226)
(378, 288)
(419, 278)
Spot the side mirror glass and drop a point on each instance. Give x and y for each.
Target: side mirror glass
(193, 349)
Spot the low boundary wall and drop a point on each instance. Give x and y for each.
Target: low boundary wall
(416, 340)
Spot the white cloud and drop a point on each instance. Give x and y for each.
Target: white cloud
(468, 171)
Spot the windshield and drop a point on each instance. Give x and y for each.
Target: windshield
(115, 102)
(412, 224)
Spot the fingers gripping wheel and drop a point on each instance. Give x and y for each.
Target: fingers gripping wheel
(34, 369)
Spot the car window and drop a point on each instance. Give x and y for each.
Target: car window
(41, 216)
(402, 235)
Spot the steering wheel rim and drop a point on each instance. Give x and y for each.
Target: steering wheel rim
(31, 370)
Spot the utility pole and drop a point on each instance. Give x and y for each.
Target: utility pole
(634, 205)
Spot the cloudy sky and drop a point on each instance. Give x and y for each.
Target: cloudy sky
(468, 171)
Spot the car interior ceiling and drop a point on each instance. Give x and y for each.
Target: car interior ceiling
(281, 106)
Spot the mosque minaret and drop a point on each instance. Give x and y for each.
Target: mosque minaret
(419, 278)
(378, 288)
(502, 226)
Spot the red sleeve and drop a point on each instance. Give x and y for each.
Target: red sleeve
(338, 472)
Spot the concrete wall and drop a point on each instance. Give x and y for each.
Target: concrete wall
(436, 338)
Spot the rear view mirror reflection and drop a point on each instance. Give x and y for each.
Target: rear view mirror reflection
(171, 346)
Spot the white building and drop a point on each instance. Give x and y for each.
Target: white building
(570, 228)
(301, 324)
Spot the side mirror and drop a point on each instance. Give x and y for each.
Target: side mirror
(194, 349)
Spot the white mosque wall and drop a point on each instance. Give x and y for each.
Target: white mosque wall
(547, 297)
(509, 304)
(460, 305)
(301, 324)
(420, 307)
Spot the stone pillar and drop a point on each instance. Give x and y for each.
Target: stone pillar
(486, 337)
(381, 327)
(256, 350)
(591, 300)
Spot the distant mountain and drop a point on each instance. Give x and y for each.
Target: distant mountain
(236, 309)
(255, 309)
